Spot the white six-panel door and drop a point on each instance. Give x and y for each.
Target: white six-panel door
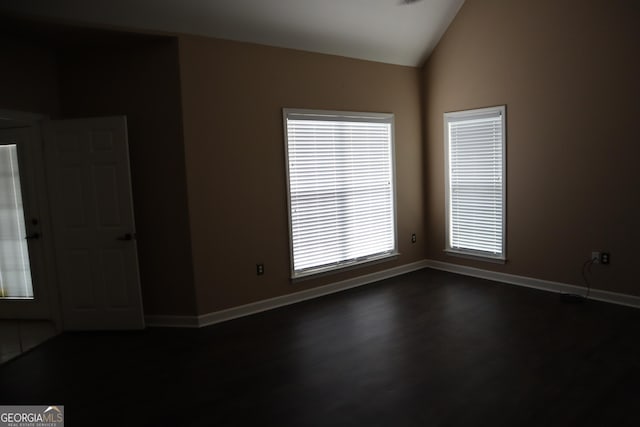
(89, 185)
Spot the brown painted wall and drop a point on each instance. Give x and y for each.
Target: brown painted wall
(28, 78)
(232, 96)
(140, 79)
(568, 73)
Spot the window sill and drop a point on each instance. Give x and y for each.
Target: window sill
(476, 257)
(347, 267)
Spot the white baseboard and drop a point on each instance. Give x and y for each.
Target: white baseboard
(271, 303)
(529, 282)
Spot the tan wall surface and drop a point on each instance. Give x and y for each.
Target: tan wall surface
(568, 73)
(141, 80)
(233, 95)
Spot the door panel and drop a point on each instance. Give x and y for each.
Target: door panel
(92, 209)
(74, 201)
(105, 181)
(79, 273)
(114, 265)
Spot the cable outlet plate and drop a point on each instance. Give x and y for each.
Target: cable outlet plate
(595, 257)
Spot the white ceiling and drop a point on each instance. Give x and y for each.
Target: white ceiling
(377, 30)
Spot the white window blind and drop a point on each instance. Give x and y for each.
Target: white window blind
(15, 272)
(341, 189)
(475, 147)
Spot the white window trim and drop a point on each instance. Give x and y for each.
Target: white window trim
(351, 116)
(470, 114)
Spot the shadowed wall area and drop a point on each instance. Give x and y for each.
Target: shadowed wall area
(567, 72)
(232, 97)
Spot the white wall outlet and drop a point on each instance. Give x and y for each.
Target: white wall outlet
(595, 257)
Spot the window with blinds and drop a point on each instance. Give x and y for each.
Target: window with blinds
(475, 182)
(340, 172)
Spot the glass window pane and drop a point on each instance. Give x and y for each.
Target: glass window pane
(15, 272)
(475, 141)
(341, 189)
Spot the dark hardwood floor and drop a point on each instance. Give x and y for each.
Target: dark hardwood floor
(425, 349)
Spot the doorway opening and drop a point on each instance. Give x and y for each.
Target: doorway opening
(68, 251)
(15, 268)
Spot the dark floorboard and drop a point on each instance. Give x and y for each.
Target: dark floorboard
(425, 349)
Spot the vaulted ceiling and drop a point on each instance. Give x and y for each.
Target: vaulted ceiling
(400, 32)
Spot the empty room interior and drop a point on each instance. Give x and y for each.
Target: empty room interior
(385, 212)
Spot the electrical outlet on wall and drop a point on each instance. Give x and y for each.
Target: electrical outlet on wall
(595, 257)
(259, 269)
(413, 238)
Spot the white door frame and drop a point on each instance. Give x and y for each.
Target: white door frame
(32, 122)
